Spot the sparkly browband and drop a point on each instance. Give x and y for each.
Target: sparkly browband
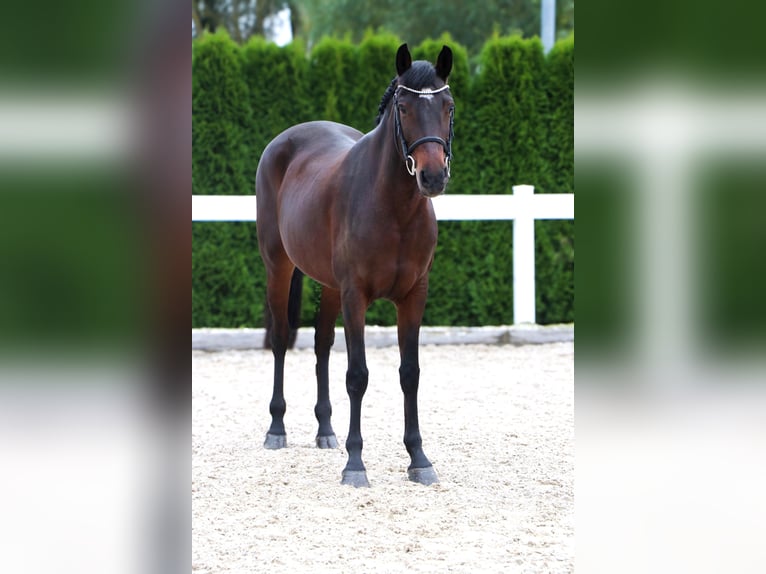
(424, 91)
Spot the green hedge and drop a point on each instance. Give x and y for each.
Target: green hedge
(514, 124)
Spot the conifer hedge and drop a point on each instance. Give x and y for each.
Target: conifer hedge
(514, 124)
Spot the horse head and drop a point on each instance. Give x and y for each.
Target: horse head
(423, 116)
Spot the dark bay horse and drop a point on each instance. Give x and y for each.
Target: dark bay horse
(353, 211)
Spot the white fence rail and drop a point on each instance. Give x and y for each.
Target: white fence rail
(523, 207)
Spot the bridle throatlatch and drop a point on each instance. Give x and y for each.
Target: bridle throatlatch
(407, 150)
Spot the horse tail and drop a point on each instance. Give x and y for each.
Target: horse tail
(294, 303)
(293, 311)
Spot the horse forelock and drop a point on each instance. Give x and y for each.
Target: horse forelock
(421, 75)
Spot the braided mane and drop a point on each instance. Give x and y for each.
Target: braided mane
(389, 93)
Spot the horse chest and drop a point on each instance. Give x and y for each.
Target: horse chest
(390, 264)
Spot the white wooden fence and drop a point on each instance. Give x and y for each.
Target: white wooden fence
(523, 207)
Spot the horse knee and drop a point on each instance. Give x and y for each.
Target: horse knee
(356, 380)
(409, 377)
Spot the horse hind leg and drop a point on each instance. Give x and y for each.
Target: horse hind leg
(296, 290)
(278, 292)
(329, 309)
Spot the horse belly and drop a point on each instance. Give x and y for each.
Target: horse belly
(306, 236)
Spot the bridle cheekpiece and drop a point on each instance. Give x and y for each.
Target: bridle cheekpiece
(407, 150)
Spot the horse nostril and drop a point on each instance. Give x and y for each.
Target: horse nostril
(433, 178)
(432, 182)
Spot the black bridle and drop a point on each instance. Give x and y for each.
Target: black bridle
(407, 150)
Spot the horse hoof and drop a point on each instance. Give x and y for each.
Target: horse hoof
(327, 441)
(355, 478)
(275, 441)
(423, 476)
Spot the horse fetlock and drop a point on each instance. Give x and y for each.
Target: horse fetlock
(277, 408)
(354, 446)
(323, 411)
(413, 442)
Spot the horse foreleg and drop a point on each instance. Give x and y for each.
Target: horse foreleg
(277, 292)
(323, 340)
(354, 309)
(409, 317)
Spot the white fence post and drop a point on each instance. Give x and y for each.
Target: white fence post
(524, 256)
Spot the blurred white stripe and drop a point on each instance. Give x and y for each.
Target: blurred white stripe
(41, 127)
(668, 117)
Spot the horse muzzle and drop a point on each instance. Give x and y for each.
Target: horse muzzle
(432, 182)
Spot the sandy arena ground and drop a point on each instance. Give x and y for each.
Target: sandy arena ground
(497, 423)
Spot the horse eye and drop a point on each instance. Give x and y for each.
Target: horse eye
(402, 109)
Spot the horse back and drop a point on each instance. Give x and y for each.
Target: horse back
(305, 141)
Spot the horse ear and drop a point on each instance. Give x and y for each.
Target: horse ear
(403, 59)
(444, 63)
